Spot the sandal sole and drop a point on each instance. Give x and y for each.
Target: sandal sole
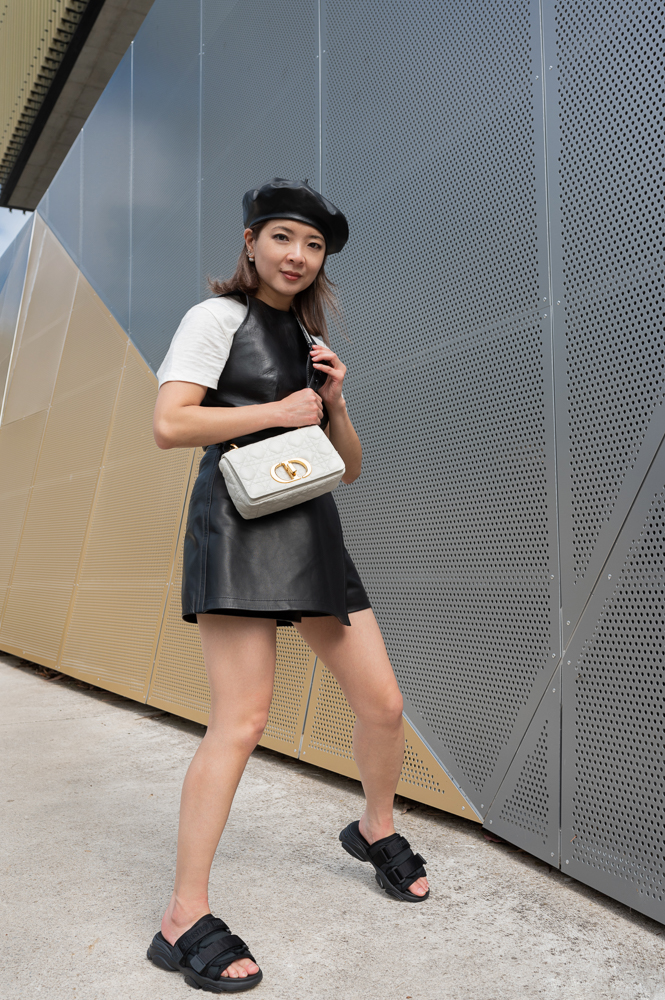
(355, 847)
(160, 957)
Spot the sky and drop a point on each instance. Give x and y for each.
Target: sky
(10, 224)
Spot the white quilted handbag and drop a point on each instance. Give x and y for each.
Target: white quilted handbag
(281, 471)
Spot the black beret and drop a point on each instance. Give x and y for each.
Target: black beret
(280, 199)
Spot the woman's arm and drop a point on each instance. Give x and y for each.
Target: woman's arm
(181, 422)
(342, 433)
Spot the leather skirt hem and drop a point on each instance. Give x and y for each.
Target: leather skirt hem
(283, 615)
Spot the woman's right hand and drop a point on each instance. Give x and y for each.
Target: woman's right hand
(301, 409)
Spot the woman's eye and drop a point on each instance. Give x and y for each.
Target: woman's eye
(315, 246)
(281, 236)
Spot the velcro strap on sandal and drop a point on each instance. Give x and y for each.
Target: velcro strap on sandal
(224, 950)
(385, 853)
(195, 934)
(407, 868)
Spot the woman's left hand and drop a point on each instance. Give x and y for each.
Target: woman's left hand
(326, 361)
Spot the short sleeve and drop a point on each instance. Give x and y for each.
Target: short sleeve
(201, 344)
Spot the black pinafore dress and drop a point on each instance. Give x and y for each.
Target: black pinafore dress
(287, 565)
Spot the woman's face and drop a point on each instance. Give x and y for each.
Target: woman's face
(288, 256)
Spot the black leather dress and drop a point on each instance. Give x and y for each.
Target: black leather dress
(287, 565)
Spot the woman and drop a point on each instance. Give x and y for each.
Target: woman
(236, 373)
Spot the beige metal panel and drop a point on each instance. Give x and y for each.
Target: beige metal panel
(293, 681)
(179, 683)
(42, 327)
(123, 578)
(19, 449)
(65, 480)
(328, 742)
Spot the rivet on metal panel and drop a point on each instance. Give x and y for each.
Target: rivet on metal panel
(551, 67)
(553, 690)
(551, 576)
(558, 302)
(568, 662)
(567, 862)
(552, 854)
(553, 656)
(567, 623)
(609, 576)
(490, 822)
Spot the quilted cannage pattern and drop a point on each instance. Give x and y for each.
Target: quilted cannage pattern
(252, 488)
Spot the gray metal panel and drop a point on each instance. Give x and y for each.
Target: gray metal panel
(604, 121)
(526, 808)
(165, 208)
(61, 205)
(105, 246)
(439, 163)
(260, 111)
(13, 265)
(613, 756)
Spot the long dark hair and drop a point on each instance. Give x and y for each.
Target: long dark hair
(310, 305)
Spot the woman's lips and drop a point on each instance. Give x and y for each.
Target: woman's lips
(291, 275)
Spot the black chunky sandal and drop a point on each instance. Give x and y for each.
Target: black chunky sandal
(202, 953)
(396, 865)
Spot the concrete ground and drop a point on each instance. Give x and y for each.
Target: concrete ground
(90, 787)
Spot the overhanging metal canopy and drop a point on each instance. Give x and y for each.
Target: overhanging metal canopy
(56, 57)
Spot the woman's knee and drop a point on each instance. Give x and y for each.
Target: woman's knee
(243, 731)
(385, 710)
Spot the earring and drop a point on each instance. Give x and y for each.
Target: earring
(250, 256)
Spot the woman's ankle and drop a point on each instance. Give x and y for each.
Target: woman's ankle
(180, 915)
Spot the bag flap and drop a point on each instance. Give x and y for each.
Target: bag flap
(252, 464)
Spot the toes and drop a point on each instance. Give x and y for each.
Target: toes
(420, 887)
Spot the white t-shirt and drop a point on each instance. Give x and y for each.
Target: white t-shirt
(202, 342)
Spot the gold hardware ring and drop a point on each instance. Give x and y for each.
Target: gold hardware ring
(292, 473)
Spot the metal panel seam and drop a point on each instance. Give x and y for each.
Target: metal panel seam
(309, 696)
(526, 730)
(91, 514)
(10, 580)
(445, 770)
(174, 558)
(551, 317)
(592, 592)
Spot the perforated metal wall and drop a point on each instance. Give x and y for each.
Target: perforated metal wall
(501, 167)
(605, 102)
(13, 264)
(259, 111)
(453, 521)
(613, 762)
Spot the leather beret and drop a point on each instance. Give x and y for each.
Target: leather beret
(282, 199)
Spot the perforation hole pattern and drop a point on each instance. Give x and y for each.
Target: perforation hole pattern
(415, 771)
(451, 528)
(333, 722)
(528, 806)
(618, 812)
(610, 173)
(292, 676)
(437, 145)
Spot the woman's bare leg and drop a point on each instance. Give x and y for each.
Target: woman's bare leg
(239, 655)
(357, 657)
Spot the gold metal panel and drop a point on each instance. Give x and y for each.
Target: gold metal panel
(293, 680)
(179, 683)
(42, 327)
(123, 578)
(328, 742)
(65, 480)
(19, 449)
